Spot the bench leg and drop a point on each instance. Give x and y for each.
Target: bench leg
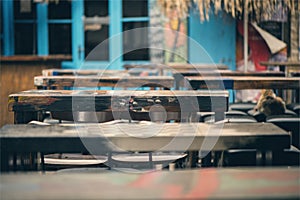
(192, 159)
(206, 161)
(109, 160)
(268, 158)
(218, 158)
(264, 158)
(25, 117)
(219, 116)
(4, 165)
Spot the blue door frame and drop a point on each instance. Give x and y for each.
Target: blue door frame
(115, 37)
(8, 27)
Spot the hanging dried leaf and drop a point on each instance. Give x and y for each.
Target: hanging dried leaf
(217, 6)
(201, 10)
(207, 9)
(256, 8)
(226, 5)
(232, 8)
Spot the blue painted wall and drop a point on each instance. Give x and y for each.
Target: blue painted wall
(216, 36)
(42, 29)
(7, 13)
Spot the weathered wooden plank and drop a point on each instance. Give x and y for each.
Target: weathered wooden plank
(143, 137)
(287, 66)
(103, 138)
(203, 66)
(241, 83)
(34, 58)
(283, 64)
(227, 73)
(118, 100)
(180, 74)
(102, 81)
(237, 183)
(96, 72)
(178, 66)
(82, 72)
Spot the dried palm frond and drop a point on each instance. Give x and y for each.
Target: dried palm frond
(201, 10)
(218, 6)
(258, 8)
(207, 8)
(238, 6)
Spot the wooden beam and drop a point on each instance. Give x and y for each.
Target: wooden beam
(142, 137)
(121, 80)
(243, 83)
(116, 101)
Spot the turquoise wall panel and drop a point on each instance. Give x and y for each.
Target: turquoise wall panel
(42, 29)
(217, 37)
(8, 27)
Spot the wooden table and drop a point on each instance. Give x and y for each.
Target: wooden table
(180, 74)
(237, 183)
(289, 66)
(198, 66)
(29, 105)
(125, 81)
(242, 83)
(178, 66)
(266, 138)
(94, 72)
(82, 72)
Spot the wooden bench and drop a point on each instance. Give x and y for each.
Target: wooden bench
(180, 74)
(291, 68)
(121, 81)
(82, 72)
(288, 67)
(246, 83)
(177, 66)
(94, 72)
(30, 105)
(243, 83)
(98, 139)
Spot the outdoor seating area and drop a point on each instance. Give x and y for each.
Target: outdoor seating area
(149, 99)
